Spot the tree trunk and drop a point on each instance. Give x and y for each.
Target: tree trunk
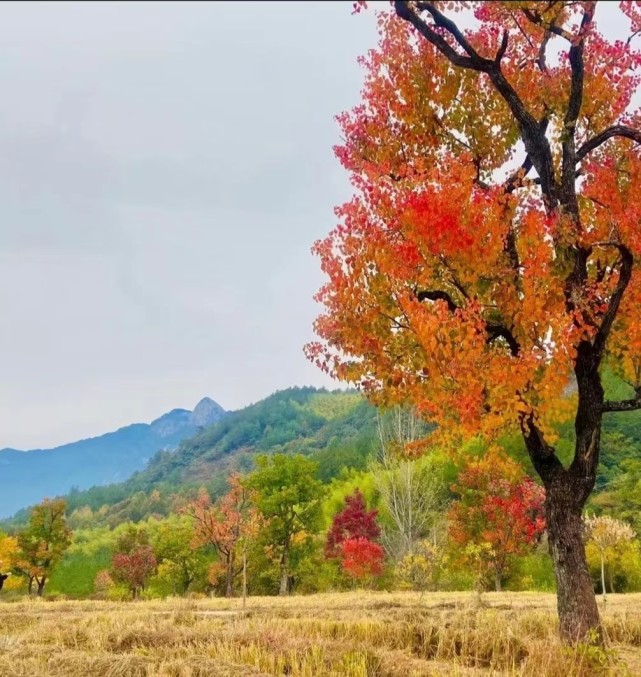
(605, 599)
(566, 491)
(41, 586)
(576, 602)
(284, 576)
(497, 580)
(244, 579)
(30, 585)
(229, 578)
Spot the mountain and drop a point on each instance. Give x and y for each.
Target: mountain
(26, 477)
(337, 428)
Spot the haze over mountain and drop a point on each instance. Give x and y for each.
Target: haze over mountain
(26, 477)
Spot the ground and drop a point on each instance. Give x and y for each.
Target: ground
(350, 634)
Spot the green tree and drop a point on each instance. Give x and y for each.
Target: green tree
(288, 496)
(182, 563)
(43, 542)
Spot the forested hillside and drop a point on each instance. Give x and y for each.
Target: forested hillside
(337, 428)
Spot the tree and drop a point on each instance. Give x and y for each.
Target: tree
(361, 559)
(173, 547)
(103, 583)
(464, 286)
(419, 568)
(288, 495)
(353, 521)
(412, 491)
(225, 526)
(43, 542)
(497, 506)
(8, 550)
(607, 534)
(134, 561)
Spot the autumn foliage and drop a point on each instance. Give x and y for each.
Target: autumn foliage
(354, 521)
(497, 506)
(134, 561)
(485, 267)
(361, 559)
(224, 526)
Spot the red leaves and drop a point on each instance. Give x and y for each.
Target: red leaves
(361, 559)
(353, 522)
(134, 568)
(498, 506)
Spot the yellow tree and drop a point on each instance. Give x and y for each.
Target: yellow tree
(8, 550)
(485, 266)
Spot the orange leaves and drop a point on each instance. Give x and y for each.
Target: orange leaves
(449, 287)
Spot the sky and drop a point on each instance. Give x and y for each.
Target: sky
(164, 171)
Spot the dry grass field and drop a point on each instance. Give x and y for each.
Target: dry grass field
(351, 634)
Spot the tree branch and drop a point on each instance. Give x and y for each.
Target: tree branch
(623, 405)
(437, 296)
(625, 274)
(534, 139)
(496, 331)
(568, 165)
(493, 329)
(615, 130)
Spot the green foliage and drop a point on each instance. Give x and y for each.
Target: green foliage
(182, 567)
(288, 495)
(43, 542)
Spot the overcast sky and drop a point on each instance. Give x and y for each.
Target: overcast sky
(164, 170)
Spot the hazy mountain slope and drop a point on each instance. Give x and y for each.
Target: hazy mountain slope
(28, 476)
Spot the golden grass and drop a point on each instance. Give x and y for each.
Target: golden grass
(346, 634)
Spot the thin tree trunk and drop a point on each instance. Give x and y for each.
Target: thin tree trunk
(497, 580)
(229, 578)
(244, 579)
(284, 576)
(41, 586)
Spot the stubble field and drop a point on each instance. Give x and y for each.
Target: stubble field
(350, 634)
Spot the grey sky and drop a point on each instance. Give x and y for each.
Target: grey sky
(164, 170)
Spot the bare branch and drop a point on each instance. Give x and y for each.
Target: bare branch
(610, 132)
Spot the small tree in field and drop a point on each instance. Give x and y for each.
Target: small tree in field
(354, 521)
(361, 559)
(607, 534)
(288, 496)
(412, 491)
(43, 542)
(227, 526)
(489, 257)
(134, 561)
(497, 506)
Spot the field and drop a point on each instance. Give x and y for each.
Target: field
(351, 634)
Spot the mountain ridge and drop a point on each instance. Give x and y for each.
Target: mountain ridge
(27, 476)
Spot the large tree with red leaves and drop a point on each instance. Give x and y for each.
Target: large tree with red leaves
(488, 257)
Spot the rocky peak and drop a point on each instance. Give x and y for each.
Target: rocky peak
(206, 412)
